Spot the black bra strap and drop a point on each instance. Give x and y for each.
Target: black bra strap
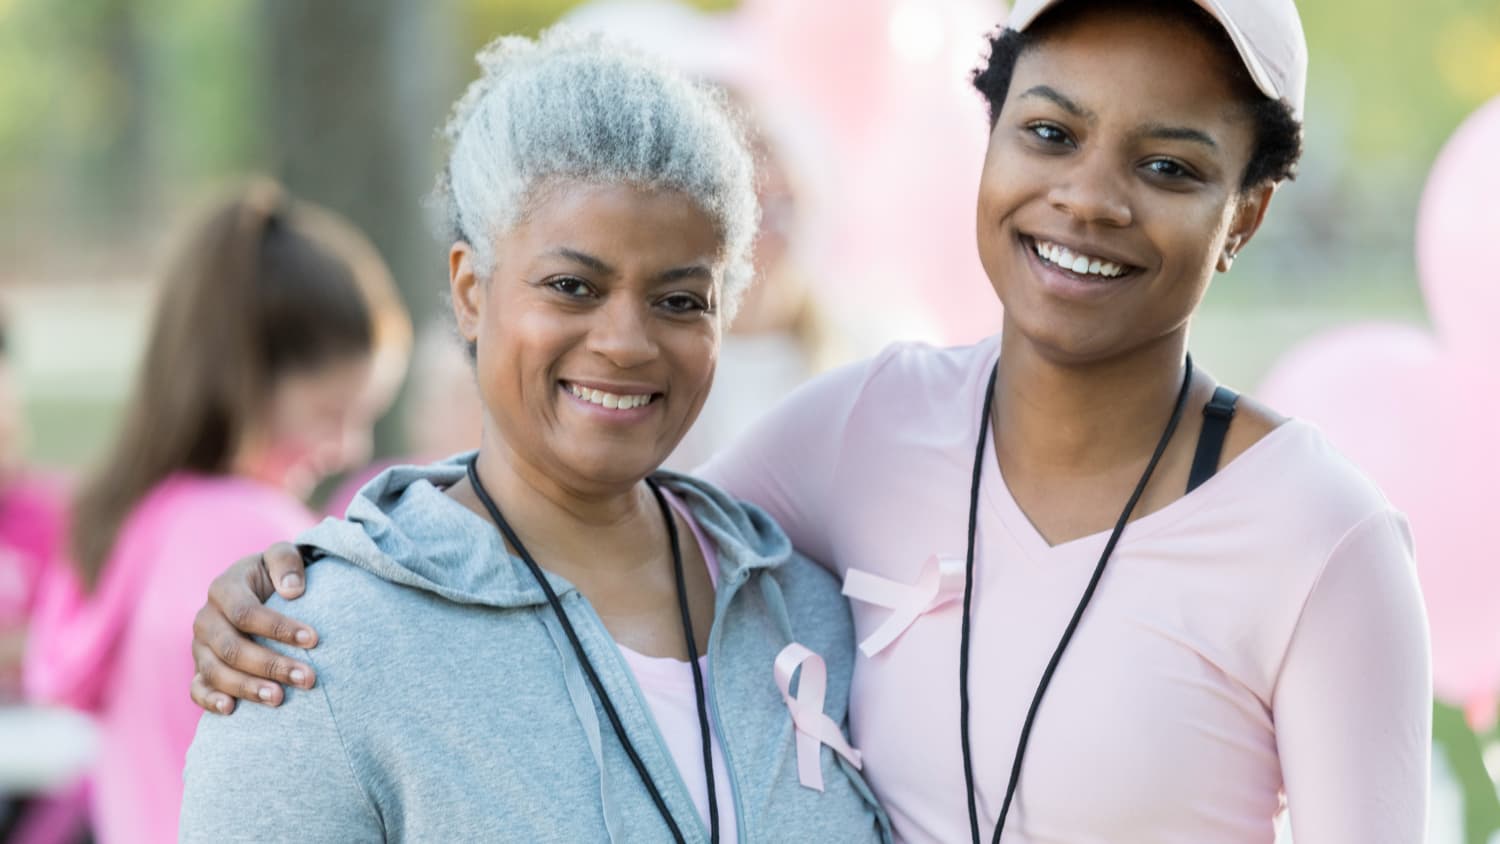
(1216, 416)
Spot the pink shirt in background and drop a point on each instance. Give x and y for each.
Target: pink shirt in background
(124, 651)
(667, 685)
(1261, 637)
(33, 526)
(32, 531)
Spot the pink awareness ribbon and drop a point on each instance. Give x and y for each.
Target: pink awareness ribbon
(813, 728)
(941, 581)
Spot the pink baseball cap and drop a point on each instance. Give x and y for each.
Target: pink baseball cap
(1267, 34)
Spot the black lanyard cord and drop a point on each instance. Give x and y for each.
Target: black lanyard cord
(588, 666)
(1088, 594)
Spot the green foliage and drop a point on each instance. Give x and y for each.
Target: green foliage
(1465, 755)
(1402, 74)
(488, 18)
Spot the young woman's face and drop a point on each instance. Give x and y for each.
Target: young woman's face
(314, 424)
(1111, 188)
(597, 331)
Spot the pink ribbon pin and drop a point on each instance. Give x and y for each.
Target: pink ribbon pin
(940, 582)
(814, 729)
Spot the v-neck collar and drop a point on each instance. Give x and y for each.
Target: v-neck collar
(1002, 506)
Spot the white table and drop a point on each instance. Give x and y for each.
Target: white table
(43, 748)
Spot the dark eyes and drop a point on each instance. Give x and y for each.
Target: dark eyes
(577, 289)
(573, 288)
(1053, 138)
(1168, 168)
(1049, 134)
(683, 303)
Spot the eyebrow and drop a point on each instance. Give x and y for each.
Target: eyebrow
(583, 258)
(1155, 130)
(694, 271)
(1178, 133)
(1047, 92)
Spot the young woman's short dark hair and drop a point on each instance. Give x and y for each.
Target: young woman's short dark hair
(1278, 133)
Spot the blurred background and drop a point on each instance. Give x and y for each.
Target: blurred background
(118, 118)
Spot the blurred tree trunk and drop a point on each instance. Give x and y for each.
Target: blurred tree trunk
(354, 91)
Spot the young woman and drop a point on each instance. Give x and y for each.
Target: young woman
(1098, 598)
(258, 379)
(600, 210)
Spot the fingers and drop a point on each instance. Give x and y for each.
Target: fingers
(209, 700)
(284, 568)
(235, 598)
(218, 644)
(216, 681)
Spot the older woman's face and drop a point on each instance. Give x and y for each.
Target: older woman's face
(1111, 188)
(598, 330)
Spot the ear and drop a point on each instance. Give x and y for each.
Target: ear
(466, 289)
(1248, 216)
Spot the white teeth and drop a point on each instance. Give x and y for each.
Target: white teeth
(609, 400)
(1080, 264)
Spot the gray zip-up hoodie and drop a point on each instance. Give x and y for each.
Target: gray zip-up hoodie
(450, 706)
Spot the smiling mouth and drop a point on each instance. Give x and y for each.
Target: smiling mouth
(610, 401)
(1089, 267)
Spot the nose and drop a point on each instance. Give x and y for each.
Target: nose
(622, 332)
(1093, 192)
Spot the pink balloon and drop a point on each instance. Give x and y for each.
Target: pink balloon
(1456, 236)
(1421, 412)
(885, 84)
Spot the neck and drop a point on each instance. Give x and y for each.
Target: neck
(550, 513)
(1073, 419)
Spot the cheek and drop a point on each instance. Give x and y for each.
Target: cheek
(695, 357)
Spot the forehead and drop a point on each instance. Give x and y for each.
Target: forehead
(618, 222)
(1134, 65)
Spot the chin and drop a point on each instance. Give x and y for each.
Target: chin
(613, 468)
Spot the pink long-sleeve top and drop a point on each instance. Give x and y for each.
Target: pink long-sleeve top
(1260, 642)
(123, 651)
(32, 523)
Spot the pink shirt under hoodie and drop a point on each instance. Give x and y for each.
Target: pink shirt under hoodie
(124, 651)
(1260, 640)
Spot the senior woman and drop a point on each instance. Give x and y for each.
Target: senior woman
(1100, 596)
(547, 683)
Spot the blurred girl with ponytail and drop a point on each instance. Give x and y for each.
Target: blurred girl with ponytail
(277, 340)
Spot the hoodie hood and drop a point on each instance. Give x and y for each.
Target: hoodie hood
(403, 528)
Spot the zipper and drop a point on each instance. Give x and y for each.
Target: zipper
(714, 642)
(618, 661)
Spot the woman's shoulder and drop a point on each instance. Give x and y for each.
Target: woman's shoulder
(747, 539)
(1292, 476)
(344, 599)
(912, 371)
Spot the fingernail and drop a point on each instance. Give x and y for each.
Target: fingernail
(265, 693)
(303, 637)
(222, 705)
(298, 675)
(292, 581)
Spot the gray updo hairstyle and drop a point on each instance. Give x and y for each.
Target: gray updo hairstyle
(574, 105)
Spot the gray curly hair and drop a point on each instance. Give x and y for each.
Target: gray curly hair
(573, 105)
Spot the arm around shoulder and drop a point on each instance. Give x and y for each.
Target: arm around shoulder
(267, 774)
(784, 462)
(1353, 704)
